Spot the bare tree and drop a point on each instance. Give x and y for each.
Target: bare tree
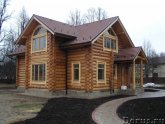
(162, 54)
(75, 18)
(150, 53)
(101, 14)
(10, 41)
(4, 16)
(23, 19)
(95, 15)
(91, 15)
(7, 71)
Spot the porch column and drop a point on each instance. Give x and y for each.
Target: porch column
(133, 75)
(141, 72)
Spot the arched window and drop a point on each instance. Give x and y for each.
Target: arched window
(39, 39)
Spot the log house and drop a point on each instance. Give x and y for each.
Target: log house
(97, 56)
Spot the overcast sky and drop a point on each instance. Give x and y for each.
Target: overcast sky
(143, 19)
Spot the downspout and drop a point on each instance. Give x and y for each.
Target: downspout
(113, 74)
(66, 72)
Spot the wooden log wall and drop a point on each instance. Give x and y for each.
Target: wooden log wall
(34, 58)
(101, 55)
(81, 55)
(53, 57)
(56, 64)
(27, 62)
(20, 71)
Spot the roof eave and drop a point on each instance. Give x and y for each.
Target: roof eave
(104, 31)
(141, 50)
(126, 32)
(75, 45)
(16, 54)
(30, 21)
(20, 36)
(44, 25)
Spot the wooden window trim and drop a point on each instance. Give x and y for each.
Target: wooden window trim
(38, 36)
(38, 82)
(72, 72)
(101, 81)
(113, 38)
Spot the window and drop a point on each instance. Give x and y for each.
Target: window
(101, 73)
(39, 40)
(38, 72)
(110, 40)
(76, 72)
(109, 43)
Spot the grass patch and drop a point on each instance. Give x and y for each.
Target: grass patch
(29, 106)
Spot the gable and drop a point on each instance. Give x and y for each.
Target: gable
(123, 37)
(130, 54)
(52, 26)
(124, 41)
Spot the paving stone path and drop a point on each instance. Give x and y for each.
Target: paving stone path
(106, 113)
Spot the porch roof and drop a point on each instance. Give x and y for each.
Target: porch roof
(130, 54)
(19, 50)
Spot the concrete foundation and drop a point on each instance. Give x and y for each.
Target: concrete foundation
(76, 94)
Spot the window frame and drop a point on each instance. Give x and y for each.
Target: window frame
(104, 80)
(76, 81)
(38, 81)
(113, 39)
(38, 37)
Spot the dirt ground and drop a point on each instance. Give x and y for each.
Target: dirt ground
(15, 107)
(21, 109)
(144, 108)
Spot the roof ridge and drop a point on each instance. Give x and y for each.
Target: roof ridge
(73, 25)
(97, 21)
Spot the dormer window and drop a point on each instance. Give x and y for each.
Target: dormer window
(110, 41)
(39, 40)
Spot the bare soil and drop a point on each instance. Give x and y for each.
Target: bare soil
(68, 111)
(21, 109)
(143, 109)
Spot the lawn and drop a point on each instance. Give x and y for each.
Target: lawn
(68, 111)
(143, 111)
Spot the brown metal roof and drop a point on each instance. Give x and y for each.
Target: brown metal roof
(58, 27)
(82, 33)
(88, 32)
(127, 54)
(19, 50)
(79, 34)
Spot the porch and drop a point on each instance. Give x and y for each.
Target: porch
(129, 63)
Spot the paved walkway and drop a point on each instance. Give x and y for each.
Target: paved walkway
(106, 113)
